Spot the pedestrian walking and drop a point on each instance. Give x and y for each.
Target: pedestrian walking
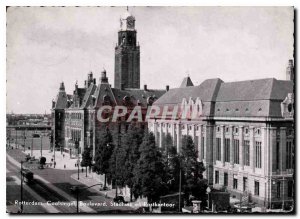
(65, 166)
(54, 164)
(63, 155)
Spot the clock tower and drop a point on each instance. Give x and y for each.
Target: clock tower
(127, 55)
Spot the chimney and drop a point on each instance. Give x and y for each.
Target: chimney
(290, 71)
(167, 88)
(53, 104)
(62, 86)
(85, 84)
(103, 78)
(145, 86)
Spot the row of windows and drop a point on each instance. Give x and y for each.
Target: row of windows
(236, 151)
(256, 185)
(257, 131)
(237, 110)
(73, 115)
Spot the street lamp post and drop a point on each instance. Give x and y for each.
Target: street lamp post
(77, 194)
(31, 146)
(179, 187)
(208, 190)
(24, 139)
(41, 145)
(22, 178)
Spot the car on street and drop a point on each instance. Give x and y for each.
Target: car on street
(119, 199)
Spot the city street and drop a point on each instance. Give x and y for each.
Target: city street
(52, 185)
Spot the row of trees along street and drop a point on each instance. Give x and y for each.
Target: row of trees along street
(133, 159)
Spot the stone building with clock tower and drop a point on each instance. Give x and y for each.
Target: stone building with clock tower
(127, 55)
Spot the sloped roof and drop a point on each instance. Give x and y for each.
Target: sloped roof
(136, 95)
(86, 101)
(187, 82)
(257, 98)
(261, 89)
(206, 91)
(61, 100)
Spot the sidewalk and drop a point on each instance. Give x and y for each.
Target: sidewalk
(93, 179)
(62, 162)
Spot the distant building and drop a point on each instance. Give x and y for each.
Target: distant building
(244, 134)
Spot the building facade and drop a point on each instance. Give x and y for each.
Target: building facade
(75, 117)
(243, 132)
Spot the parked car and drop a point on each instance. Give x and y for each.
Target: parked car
(119, 199)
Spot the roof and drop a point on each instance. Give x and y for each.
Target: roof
(206, 91)
(137, 95)
(251, 98)
(61, 100)
(87, 99)
(187, 82)
(261, 89)
(255, 98)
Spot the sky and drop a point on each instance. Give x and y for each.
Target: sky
(48, 45)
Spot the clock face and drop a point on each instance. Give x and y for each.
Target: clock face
(130, 23)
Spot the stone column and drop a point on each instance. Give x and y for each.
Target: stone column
(173, 133)
(214, 146)
(231, 145)
(264, 149)
(200, 143)
(272, 150)
(282, 150)
(252, 150)
(241, 147)
(161, 135)
(222, 127)
(178, 137)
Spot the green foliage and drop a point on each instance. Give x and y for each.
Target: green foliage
(192, 171)
(86, 158)
(149, 171)
(103, 153)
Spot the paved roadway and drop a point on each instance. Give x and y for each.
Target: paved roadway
(53, 185)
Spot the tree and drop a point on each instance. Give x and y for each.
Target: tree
(192, 171)
(149, 171)
(171, 163)
(132, 141)
(103, 153)
(42, 162)
(86, 159)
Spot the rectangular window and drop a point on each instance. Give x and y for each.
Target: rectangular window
(289, 158)
(225, 179)
(235, 183)
(227, 150)
(246, 152)
(258, 154)
(202, 147)
(278, 192)
(256, 188)
(218, 149)
(236, 145)
(277, 155)
(217, 177)
(290, 189)
(245, 183)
